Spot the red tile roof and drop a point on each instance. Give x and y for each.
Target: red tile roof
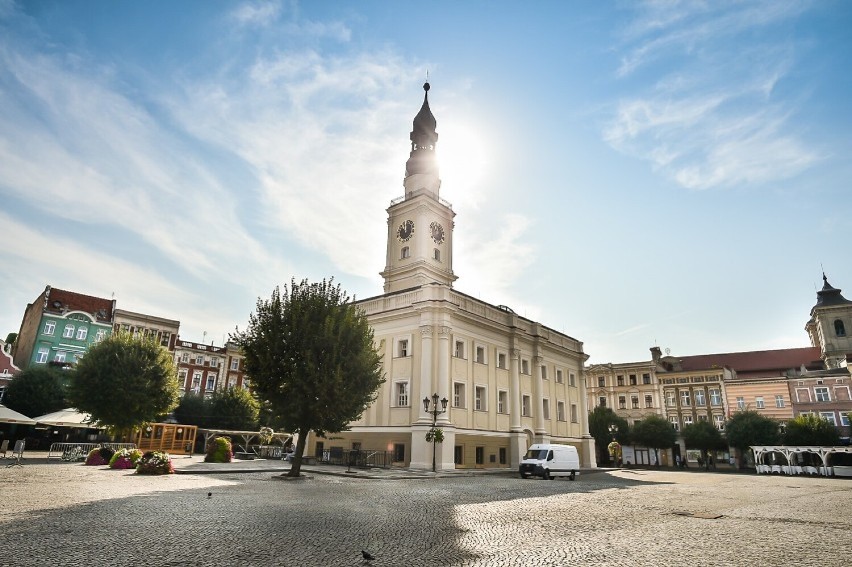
(73, 301)
(783, 359)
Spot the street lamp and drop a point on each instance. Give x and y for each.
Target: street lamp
(435, 412)
(613, 429)
(614, 447)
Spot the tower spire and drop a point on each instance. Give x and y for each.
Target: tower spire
(423, 140)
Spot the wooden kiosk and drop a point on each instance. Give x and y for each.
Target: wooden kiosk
(172, 438)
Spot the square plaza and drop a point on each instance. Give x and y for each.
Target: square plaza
(70, 514)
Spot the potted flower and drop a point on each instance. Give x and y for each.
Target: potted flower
(99, 456)
(155, 462)
(125, 459)
(219, 450)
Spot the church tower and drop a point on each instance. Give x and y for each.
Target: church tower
(830, 325)
(420, 223)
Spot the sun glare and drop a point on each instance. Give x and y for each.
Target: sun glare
(461, 157)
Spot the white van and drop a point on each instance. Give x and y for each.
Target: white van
(549, 461)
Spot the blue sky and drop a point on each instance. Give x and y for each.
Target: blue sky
(632, 174)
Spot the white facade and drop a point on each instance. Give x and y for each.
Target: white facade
(509, 381)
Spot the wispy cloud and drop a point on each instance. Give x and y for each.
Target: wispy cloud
(631, 330)
(712, 116)
(285, 19)
(257, 13)
(325, 139)
(667, 28)
(76, 148)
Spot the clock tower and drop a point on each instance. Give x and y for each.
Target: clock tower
(420, 223)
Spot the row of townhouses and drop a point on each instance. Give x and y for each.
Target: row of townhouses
(59, 326)
(780, 384)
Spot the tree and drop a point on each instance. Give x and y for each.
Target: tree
(600, 420)
(125, 381)
(36, 391)
(11, 338)
(310, 354)
(748, 428)
(235, 409)
(655, 433)
(704, 436)
(193, 409)
(810, 429)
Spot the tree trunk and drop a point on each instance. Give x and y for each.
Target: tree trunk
(296, 462)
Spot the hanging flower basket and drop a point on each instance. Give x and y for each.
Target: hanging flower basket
(614, 449)
(435, 434)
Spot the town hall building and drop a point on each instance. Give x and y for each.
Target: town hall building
(506, 381)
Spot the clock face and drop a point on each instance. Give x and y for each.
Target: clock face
(437, 232)
(405, 231)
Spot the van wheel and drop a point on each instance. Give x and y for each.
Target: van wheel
(573, 475)
(546, 475)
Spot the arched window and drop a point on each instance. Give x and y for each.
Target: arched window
(839, 329)
(405, 253)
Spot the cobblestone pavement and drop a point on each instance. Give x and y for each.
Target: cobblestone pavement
(68, 514)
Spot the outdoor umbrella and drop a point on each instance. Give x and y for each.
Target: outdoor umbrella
(11, 416)
(68, 417)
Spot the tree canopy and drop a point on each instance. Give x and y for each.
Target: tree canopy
(193, 409)
(310, 354)
(125, 381)
(655, 432)
(747, 428)
(600, 419)
(235, 408)
(703, 435)
(36, 391)
(810, 429)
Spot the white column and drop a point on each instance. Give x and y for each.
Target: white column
(584, 411)
(517, 438)
(538, 406)
(443, 385)
(426, 358)
(515, 388)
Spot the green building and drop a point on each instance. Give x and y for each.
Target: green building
(59, 326)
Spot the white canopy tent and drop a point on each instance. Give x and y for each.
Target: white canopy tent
(11, 416)
(68, 417)
(766, 461)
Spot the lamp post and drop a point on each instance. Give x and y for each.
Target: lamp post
(613, 446)
(613, 429)
(435, 412)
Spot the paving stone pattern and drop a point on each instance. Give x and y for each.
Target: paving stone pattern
(68, 514)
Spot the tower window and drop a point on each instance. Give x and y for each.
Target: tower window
(405, 252)
(437, 254)
(839, 328)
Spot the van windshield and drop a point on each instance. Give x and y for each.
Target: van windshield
(540, 454)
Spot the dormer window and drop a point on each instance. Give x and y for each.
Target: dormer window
(839, 328)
